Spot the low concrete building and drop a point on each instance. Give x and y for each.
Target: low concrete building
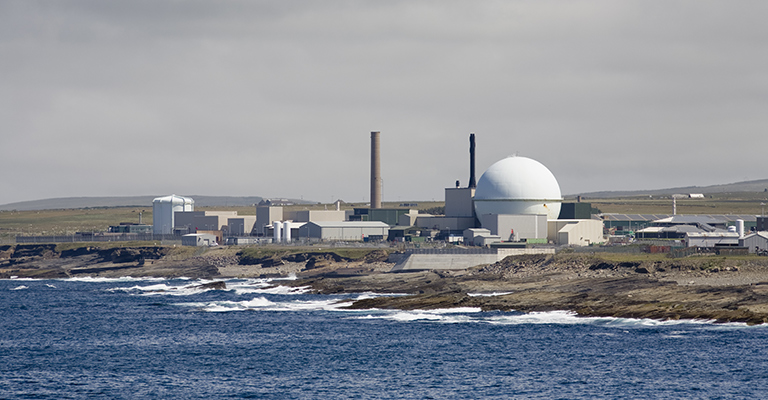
(198, 239)
(471, 233)
(203, 220)
(515, 228)
(242, 225)
(457, 259)
(575, 232)
(487, 240)
(345, 230)
(711, 239)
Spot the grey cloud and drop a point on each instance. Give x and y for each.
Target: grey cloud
(277, 98)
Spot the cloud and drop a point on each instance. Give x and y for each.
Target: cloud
(278, 98)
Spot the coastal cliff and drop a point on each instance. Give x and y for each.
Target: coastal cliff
(721, 288)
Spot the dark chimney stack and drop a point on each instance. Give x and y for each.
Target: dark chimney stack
(472, 183)
(375, 171)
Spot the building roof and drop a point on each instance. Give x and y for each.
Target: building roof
(655, 217)
(763, 235)
(350, 224)
(691, 219)
(174, 199)
(721, 234)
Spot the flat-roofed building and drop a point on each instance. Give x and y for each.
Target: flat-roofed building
(344, 230)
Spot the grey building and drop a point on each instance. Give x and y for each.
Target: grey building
(756, 242)
(344, 230)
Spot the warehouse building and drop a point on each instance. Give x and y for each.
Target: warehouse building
(345, 230)
(757, 243)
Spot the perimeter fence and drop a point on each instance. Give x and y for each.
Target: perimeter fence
(99, 238)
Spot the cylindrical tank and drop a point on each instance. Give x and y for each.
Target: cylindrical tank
(163, 209)
(277, 225)
(287, 231)
(740, 228)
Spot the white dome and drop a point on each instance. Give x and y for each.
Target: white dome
(518, 185)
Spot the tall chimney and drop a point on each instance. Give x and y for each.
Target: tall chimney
(375, 171)
(472, 183)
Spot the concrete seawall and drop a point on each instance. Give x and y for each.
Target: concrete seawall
(457, 261)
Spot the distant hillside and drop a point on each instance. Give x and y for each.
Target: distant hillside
(138, 201)
(747, 186)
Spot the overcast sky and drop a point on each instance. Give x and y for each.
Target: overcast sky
(278, 98)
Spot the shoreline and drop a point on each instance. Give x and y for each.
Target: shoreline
(719, 288)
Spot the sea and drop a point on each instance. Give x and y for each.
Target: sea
(257, 339)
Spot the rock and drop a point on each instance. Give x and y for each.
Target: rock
(217, 285)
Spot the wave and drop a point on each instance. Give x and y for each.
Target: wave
(166, 289)
(240, 287)
(264, 286)
(22, 287)
(116, 280)
(470, 315)
(263, 304)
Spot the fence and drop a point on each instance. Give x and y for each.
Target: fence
(127, 237)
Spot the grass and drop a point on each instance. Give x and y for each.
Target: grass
(69, 221)
(747, 203)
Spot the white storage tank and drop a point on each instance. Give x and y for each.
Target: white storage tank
(163, 209)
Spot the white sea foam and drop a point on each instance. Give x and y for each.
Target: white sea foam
(165, 289)
(122, 279)
(50, 286)
(488, 294)
(22, 287)
(264, 286)
(263, 304)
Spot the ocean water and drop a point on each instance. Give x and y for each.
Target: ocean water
(143, 338)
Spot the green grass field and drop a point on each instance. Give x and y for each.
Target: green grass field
(725, 203)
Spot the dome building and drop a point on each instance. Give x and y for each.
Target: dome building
(520, 186)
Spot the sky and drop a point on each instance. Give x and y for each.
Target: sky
(278, 98)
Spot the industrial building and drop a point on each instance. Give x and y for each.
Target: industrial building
(164, 209)
(756, 242)
(198, 239)
(345, 230)
(516, 200)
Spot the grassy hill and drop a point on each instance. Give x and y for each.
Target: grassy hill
(758, 186)
(127, 201)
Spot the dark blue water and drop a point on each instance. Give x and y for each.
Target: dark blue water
(154, 339)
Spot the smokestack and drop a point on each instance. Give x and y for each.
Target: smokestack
(375, 171)
(472, 183)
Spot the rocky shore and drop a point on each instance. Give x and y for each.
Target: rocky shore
(725, 289)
